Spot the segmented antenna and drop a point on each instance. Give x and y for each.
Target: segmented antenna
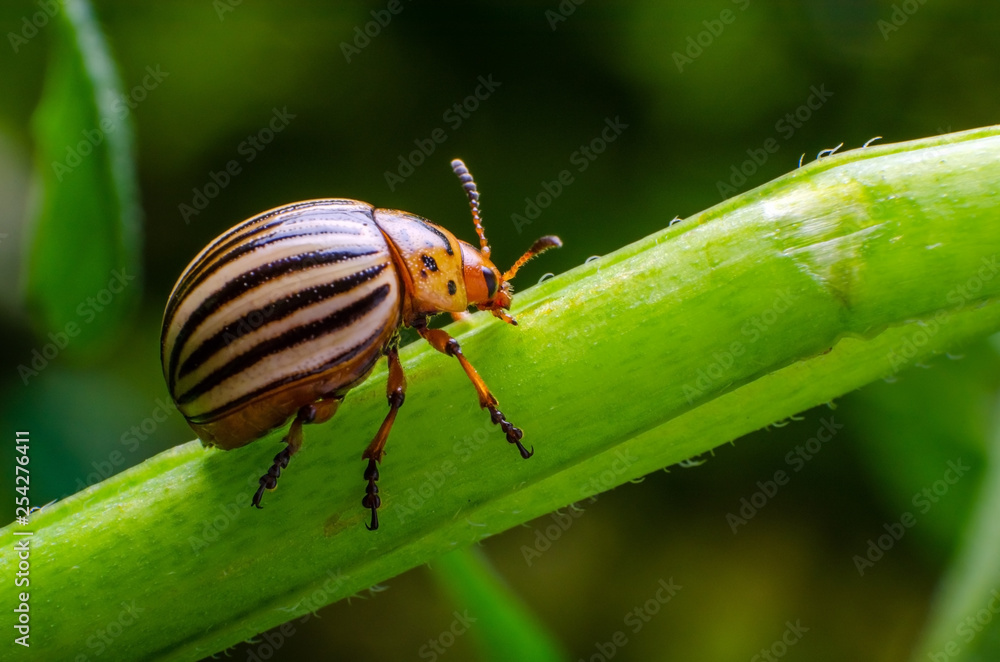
(473, 193)
(540, 246)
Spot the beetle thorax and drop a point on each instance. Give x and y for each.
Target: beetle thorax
(429, 261)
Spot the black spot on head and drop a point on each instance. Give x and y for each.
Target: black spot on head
(423, 273)
(429, 262)
(452, 288)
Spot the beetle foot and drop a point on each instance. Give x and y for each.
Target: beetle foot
(269, 481)
(372, 499)
(514, 434)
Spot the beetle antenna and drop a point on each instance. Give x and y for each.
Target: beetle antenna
(469, 185)
(540, 246)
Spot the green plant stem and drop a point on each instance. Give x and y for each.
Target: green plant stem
(504, 628)
(841, 272)
(962, 625)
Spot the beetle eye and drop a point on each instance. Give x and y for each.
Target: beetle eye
(491, 281)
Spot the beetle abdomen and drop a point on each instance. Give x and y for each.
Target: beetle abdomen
(285, 308)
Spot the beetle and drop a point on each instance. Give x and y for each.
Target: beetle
(282, 315)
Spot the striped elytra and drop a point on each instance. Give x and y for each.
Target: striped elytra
(301, 298)
(279, 317)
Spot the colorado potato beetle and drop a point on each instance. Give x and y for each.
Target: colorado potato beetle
(282, 315)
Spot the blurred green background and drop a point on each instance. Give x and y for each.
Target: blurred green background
(711, 99)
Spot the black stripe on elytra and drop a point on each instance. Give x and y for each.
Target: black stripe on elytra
(248, 281)
(310, 331)
(279, 216)
(436, 230)
(250, 245)
(227, 408)
(244, 244)
(289, 218)
(220, 247)
(273, 312)
(287, 210)
(227, 239)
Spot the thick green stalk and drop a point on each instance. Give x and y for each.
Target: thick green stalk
(842, 272)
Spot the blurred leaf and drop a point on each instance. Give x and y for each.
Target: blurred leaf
(768, 304)
(912, 427)
(505, 628)
(965, 619)
(83, 258)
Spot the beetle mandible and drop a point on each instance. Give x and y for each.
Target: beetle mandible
(282, 315)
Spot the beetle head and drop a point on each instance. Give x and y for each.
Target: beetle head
(485, 287)
(488, 289)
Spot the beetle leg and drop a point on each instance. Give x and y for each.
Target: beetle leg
(395, 392)
(318, 412)
(444, 343)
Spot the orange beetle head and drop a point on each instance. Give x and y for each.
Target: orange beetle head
(488, 289)
(485, 287)
(482, 278)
